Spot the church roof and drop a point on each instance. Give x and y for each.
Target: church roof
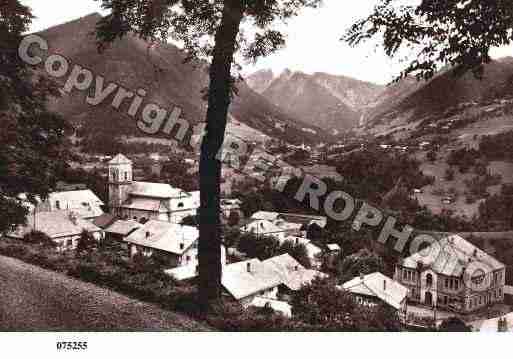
(155, 190)
(120, 159)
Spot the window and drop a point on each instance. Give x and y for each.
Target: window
(451, 284)
(445, 300)
(500, 292)
(69, 243)
(405, 274)
(446, 282)
(180, 205)
(58, 204)
(456, 284)
(126, 176)
(188, 258)
(429, 280)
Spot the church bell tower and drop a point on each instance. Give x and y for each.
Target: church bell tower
(120, 181)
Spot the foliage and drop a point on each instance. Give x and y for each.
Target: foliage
(370, 173)
(463, 158)
(263, 247)
(233, 218)
(454, 33)
(496, 212)
(449, 174)
(86, 242)
(362, 262)
(40, 238)
(497, 147)
(30, 135)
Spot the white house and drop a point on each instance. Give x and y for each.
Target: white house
(374, 288)
(63, 227)
(130, 199)
(292, 274)
(246, 280)
(84, 203)
(176, 243)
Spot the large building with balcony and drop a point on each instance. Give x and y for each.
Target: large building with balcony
(452, 274)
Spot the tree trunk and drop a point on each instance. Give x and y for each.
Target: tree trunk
(209, 250)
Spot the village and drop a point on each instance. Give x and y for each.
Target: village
(157, 220)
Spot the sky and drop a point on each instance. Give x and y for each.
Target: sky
(313, 39)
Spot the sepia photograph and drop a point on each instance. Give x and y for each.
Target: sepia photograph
(255, 166)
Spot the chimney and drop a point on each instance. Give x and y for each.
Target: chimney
(361, 277)
(248, 267)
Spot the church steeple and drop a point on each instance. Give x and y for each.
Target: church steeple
(120, 180)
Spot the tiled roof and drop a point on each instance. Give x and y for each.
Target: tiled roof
(55, 224)
(451, 255)
(156, 190)
(380, 286)
(164, 236)
(240, 283)
(291, 272)
(120, 159)
(122, 227)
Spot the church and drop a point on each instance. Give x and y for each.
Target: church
(144, 201)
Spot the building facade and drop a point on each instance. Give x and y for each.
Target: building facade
(453, 274)
(143, 201)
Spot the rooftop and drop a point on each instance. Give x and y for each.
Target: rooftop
(380, 286)
(122, 227)
(291, 272)
(55, 224)
(164, 236)
(156, 190)
(241, 283)
(451, 255)
(120, 159)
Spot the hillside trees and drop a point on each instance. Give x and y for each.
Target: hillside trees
(31, 137)
(208, 29)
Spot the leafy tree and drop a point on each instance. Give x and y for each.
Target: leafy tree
(208, 29)
(455, 33)
(30, 136)
(233, 218)
(86, 242)
(37, 237)
(321, 303)
(363, 262)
